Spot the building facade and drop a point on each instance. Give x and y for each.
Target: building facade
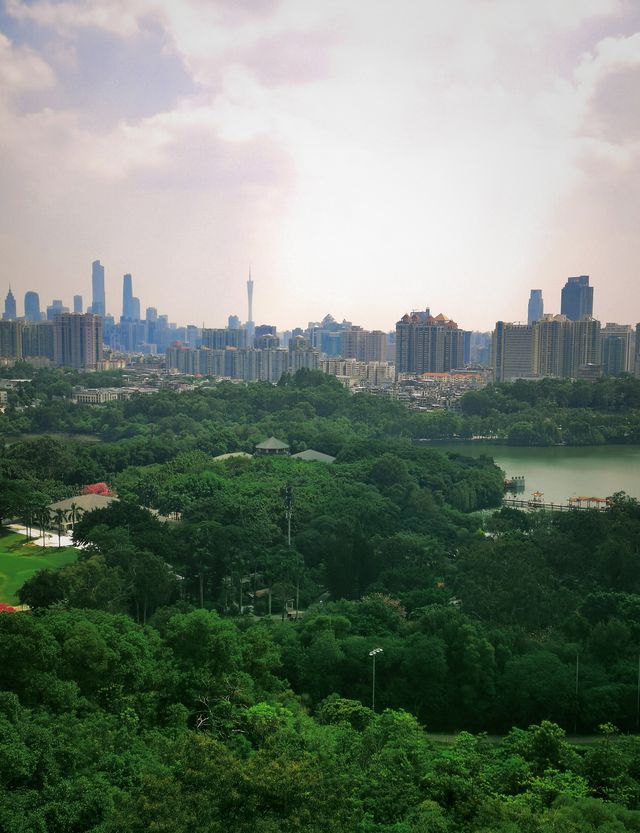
(425, 343)
(535, 309)
(77, 340)
(576, 299)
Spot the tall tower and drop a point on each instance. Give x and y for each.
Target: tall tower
(536, 306)
(98, 303)
(576, 299)
(9, 307)
(32, 306)
(127, 296)
(250, 298)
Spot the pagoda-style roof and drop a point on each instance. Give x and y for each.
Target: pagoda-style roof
(313, 456)
(273, 445)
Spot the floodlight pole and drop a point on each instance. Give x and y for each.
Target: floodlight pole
(373, 654)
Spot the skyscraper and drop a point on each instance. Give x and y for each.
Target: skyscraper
(77, 340)
(553, 346)
(514, 351)
(127, 296)
(37, 340)
(616, 343)
(98, 303)
(11, 339)
(428, 344)
(536, 306)
(363, 345)
(9, 307)
(250, 299)
(77, 303)
(576, 299)
(56, 307)
(32, 306)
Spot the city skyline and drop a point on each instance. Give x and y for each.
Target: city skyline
(131, 307)
(368, 158)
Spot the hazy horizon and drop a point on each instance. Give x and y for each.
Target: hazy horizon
(362, 159)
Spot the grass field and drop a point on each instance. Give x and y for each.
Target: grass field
(19, 561)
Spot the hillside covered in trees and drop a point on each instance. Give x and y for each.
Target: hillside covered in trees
(191, 671)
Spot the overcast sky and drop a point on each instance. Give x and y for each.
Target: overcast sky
(364, 157)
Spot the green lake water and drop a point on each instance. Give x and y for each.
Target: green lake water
(561, 472)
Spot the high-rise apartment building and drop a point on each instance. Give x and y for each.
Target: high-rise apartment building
(535, 309)
(576, 299)
(616, 341)
(551, 340)
(10, 313)
(11, 339)
(77, 340)
(37, 340)
(364, 345)
(219, 338)
(514, 351)
(98, 303)
(32, 306)
(428, 344)
(553, 346)
(582, 347)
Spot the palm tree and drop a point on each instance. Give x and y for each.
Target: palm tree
(74, 515)
(60, 517)
(44, 518)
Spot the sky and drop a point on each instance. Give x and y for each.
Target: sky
(362, 158)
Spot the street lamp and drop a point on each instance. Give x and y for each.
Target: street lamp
(373, 654)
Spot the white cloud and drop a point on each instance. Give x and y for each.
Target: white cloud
(22, 69)
(419, 148)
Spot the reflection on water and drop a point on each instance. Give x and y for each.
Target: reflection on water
(561, 472)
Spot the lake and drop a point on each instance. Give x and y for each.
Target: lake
(561, 471)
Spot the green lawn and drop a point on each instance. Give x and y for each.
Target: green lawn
(19, 561)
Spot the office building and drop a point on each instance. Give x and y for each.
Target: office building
(233, 322)
(576, 300)
(56, 308)
(32, 306)
(265, 330)
(127, 297)
(535, 309)
(77, 304)
(98, 303)
(9, 307)
(77, 340)
(480, 349)
(428, 344)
